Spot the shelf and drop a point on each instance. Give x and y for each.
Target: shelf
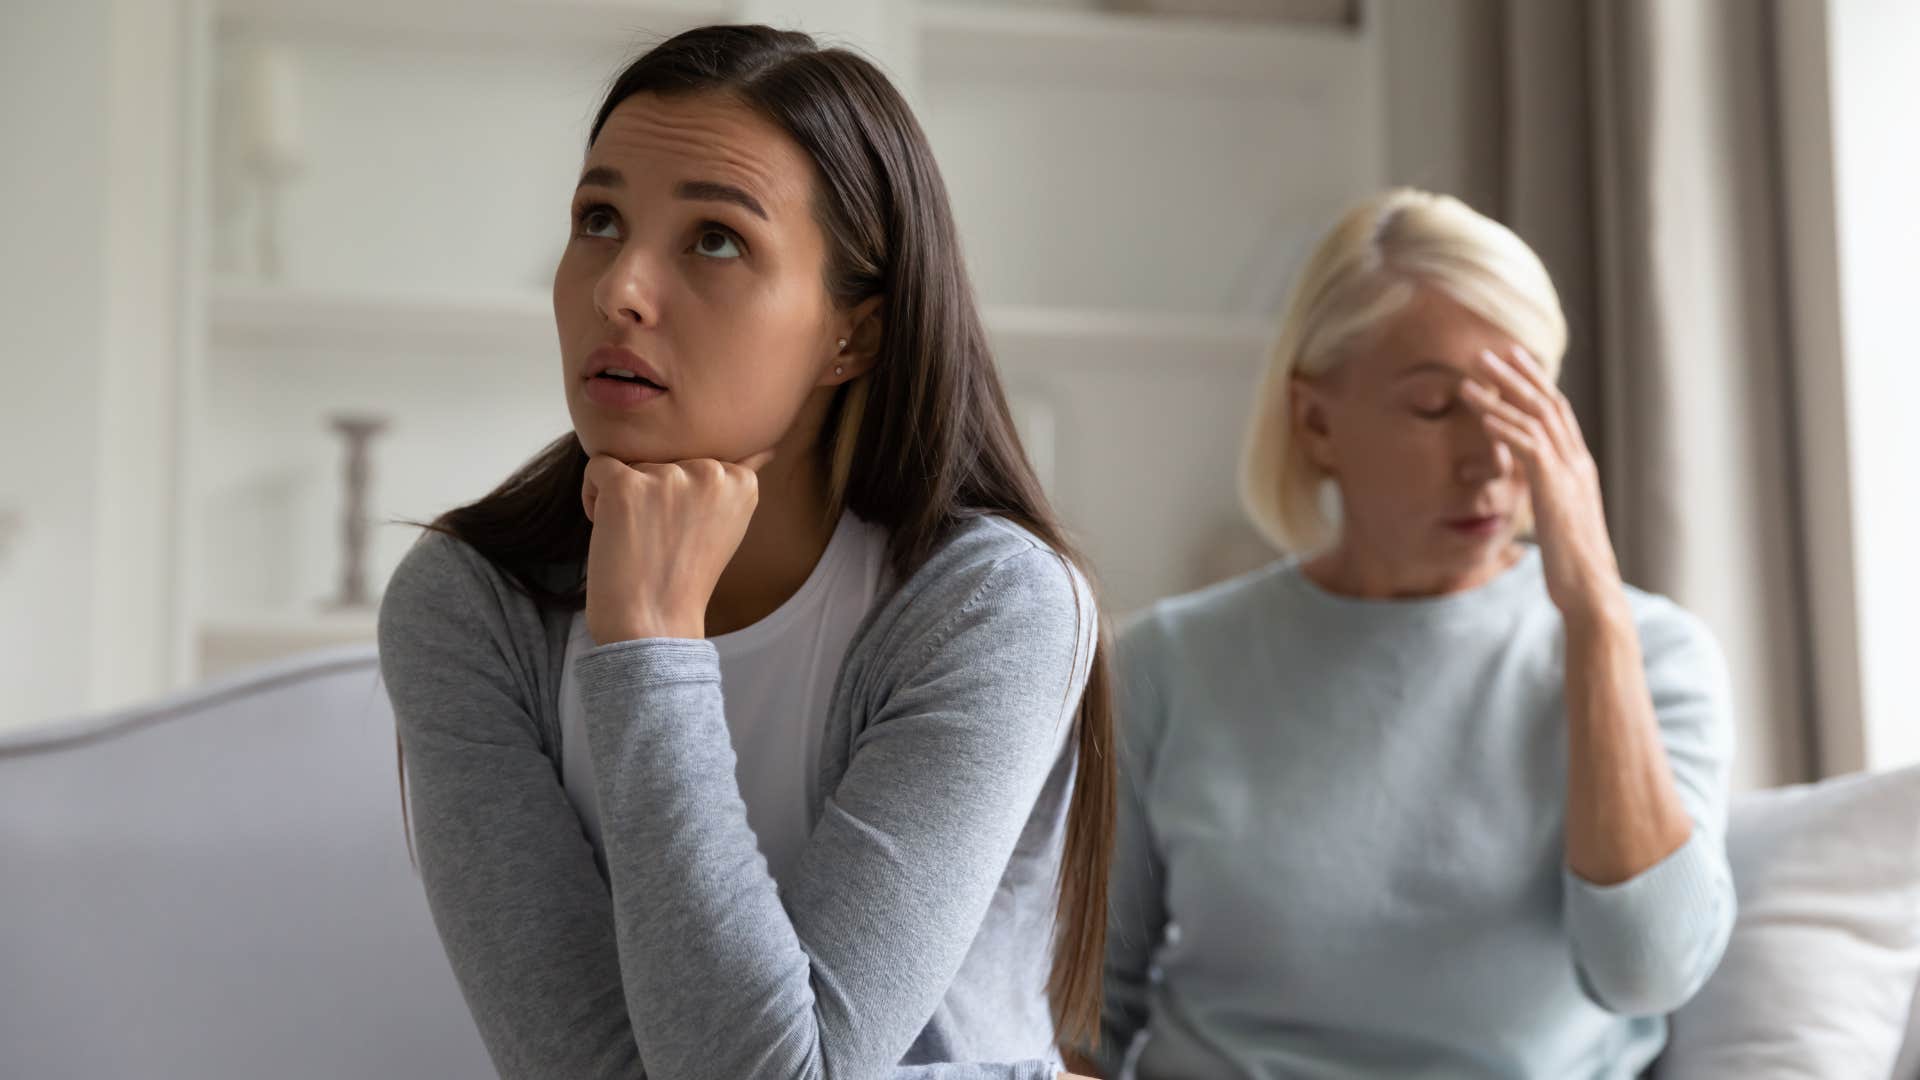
(325, 626)
(1146, 328)
(237, 640)
(972, 41)
(510, 23)
(957, 40)
(273, 318)
(249, 316)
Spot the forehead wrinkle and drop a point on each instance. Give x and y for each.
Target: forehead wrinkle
(1428, 368)
(714, 143)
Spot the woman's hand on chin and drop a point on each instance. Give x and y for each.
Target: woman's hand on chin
(1523, 409)
(662, 534)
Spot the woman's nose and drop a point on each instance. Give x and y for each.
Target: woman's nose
(1482, 458)
(627, 290)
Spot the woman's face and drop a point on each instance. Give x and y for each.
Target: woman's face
(695, 263)
(1423, 487)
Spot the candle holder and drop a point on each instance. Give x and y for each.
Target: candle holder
(358, 430)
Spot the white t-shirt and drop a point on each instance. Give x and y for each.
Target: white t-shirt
(777, 678)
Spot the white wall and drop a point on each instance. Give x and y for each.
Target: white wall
(90, 226)
(1875, 64)
(1441, 69)
(140, 298)
(53, 268)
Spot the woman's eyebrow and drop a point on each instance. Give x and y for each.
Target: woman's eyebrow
(1430, 367)
(695, 190)
(601, 176)
(713, 191)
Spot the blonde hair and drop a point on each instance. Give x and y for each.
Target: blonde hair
(1365, 270)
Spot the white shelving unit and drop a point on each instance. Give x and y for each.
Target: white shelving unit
(265, 317)
(465, 22)
(1133, 192)
(262, 319)
(232, 641)
(1093, 47)
(977, 39)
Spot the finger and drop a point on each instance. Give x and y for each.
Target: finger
(1488, 403)
(1531, 370)
(1525, 442)
(1538, 399)
(603, 474)
(757, 461)
(590, 485)
(602, 468)
(699, 469)
(1572, 440)
(1507, 378)
(1529, 366)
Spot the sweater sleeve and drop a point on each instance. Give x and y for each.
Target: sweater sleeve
(1644, 946)
(728, 977)
(1135, 897)
(509, 873)
(546, 958)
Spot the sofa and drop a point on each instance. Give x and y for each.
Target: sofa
(217, 886)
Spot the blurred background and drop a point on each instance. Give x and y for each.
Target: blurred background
(274, 274)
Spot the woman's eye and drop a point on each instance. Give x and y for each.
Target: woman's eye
(717, 243)
(592, 219)
(1433, 411)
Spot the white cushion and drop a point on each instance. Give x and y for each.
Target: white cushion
(1819, 976)
(1908, 1067)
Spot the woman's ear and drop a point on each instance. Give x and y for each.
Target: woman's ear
(1309, 415)
(861, 333)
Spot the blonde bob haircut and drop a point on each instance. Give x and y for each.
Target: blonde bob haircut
(1366, 269)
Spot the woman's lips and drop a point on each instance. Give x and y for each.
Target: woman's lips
(1483, 525)
(619, 358)
(620, 394)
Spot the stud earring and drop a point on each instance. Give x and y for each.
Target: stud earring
(838, 370)
(843, 344)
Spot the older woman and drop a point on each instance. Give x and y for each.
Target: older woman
(1423, 798)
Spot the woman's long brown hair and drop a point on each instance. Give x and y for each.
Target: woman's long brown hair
(921, 443)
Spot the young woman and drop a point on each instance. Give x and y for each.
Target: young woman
(758, 727)
(1423, 799)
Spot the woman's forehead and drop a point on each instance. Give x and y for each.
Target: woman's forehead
(1432, 336)
(667, 142)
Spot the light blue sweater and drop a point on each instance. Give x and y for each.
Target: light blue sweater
(1341, 848)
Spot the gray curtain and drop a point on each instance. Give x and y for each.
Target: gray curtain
(1629, 141)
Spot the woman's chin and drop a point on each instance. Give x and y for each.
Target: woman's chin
(624, 446)
(1472, 551)
(635, 448)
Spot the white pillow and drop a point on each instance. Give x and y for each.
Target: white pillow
(1908, 1067)
(1819, 975)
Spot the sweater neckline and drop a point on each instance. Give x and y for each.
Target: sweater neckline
(1508, 586)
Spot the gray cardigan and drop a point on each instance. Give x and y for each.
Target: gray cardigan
(915, 932)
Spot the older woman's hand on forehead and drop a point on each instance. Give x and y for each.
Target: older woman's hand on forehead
(1523, 409)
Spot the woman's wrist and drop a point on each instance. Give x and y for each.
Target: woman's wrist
(644, 627)
(1597, 615)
